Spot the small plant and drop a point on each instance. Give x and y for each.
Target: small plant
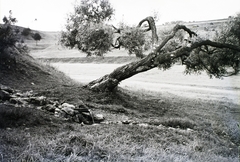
(26, 31)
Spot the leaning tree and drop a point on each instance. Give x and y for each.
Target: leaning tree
(218, 57)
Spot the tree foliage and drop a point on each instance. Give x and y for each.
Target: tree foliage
(9, 36)
(86, 28)
(36, 37)
(133, 39)
(218, 61)
(218, 57)
(26, 31)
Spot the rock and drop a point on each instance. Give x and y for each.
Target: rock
(143, 125)
(55, 103)
(68, 105)
(58, 112)
(42, 100)
(50, 108)
(4, 95)
(39, 108)
(68, 110)
(18, 100)
(126, 121)
(98, 118)
(5, 88)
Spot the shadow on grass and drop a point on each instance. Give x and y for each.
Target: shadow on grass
(12, 117)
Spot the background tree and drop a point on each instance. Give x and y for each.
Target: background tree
(135, 39)
(86, 28)
(218, 58)
(36, 37)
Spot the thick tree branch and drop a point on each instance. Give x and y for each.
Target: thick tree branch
(152, 60)
(216, 44)
(172, 34)
(116, 30)
(151, 26)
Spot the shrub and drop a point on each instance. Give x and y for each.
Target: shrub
(9, 37)
(26, 31)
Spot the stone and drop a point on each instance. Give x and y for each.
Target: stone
(98, 118)
(68, 105)
(68, 110)
(126, 121)
(58, 113)
(50, 108)
(42, 100)
(4, 95)
(18, 100)
(5, 88)
(143, 125)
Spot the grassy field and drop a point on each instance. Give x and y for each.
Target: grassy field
(184, 118)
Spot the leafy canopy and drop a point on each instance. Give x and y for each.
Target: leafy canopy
(86, 28)
(36, 37)
(218, 62)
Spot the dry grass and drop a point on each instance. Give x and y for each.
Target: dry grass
(186, 130)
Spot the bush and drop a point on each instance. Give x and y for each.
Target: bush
(9, 37)
(26, 31)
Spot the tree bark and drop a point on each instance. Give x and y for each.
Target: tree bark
(152, 27)
(110, 81)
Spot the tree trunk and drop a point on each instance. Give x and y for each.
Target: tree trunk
(110, 81)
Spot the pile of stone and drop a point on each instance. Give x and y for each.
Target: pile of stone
(79, 114)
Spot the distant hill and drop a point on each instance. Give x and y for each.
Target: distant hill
(49, 41)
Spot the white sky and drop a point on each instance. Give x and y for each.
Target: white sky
(51, 14)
